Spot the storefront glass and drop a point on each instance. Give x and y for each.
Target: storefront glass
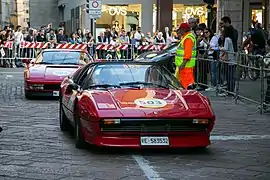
(124, 16)
(257, 16)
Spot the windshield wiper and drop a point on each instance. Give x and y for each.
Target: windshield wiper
(44, 63)
(70, 63)
(142, 83)
(103, 86)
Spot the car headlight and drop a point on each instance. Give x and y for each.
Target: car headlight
(36, 86)
(111, 121)
(200, 121)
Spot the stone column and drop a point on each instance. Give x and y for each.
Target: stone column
(233, 9)
(164, 14)
(246, 16)
(147, 16)
(267, 14)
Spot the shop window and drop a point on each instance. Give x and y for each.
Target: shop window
(119, 17)
(256, 16)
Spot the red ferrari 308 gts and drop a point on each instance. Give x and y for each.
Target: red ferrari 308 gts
(128, 104)
(43, 75)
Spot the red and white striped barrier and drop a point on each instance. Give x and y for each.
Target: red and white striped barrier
(42, 45)
(8, 44)
(71, 46)
(111, 47)
(155, 47)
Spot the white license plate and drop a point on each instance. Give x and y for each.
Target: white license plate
(155, 141)
(55, 93)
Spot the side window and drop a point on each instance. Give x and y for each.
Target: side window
(39, 58)
(76, 75)
(84, 75)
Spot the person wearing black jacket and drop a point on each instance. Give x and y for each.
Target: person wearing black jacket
(61, 37)
(227, 22)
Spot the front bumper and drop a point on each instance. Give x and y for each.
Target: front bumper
(42, 93)
(50, 89)
(175, 141)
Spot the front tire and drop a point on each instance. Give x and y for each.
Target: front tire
(80, 141)
(63, 120)
(27, 96)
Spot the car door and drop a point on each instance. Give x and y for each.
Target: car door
(66, 96)
(71, 98)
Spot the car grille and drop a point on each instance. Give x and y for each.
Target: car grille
(51, 87)
(152, 126)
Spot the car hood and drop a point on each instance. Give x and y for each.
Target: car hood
(52, 72)
(151, 56)
(161, 102)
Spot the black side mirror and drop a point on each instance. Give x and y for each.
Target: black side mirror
(71, 87)
(1, 129)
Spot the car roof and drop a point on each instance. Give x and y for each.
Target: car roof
(57, 50)
(123, 62)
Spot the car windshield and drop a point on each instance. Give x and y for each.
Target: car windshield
(171, 48)
(132, 75)
(63, 57)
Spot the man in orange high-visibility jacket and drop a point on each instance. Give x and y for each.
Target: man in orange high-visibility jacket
(185, 58)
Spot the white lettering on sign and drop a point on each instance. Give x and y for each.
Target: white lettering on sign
(199, 11)
(150, 103)
(117, 11)
(61, 73)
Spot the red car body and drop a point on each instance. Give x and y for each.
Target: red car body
(123, 117)
(45, 79)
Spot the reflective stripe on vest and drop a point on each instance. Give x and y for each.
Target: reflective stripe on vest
(179, 57)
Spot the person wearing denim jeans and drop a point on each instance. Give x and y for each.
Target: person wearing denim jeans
(213, 54)
(229, 59)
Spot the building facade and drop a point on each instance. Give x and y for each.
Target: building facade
(43, 12)
(149, 14)
(133, 13)
(14, 12)
(6, 10)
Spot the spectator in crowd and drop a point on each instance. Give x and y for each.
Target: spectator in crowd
(73, 38)
(138, 37)
(227, 22)
(124, 39)
(213, 55)
(18, 38)
(148, 39)
(229, 58)
(193, 25)
(41, 36)
(51, 38)
(80, 36)
(166, 34)
(102, 39)
(61, 37)
(160, 39)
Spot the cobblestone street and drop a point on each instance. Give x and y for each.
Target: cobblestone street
(33, 147)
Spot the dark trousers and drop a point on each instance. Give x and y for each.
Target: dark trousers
(267, 94)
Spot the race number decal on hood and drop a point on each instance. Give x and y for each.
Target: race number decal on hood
(150, 103)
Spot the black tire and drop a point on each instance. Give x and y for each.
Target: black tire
(63, 120)
(80, 141)
(27, 96)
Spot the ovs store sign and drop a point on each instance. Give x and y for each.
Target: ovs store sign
(117, 10)
(191, 11)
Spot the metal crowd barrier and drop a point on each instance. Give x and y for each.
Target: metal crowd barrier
(12, 54)
(247, 78)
